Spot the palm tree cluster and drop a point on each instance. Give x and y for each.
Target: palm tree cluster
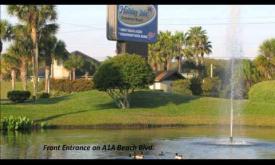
(33, 42)
(265, 61)
(193, 44)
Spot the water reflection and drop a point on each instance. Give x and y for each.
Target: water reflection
(191, 142)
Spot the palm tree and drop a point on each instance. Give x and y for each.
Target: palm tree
(51, 48)
(265, 61)
(250, 73)
(10, 63)
(206, 48)
(199, 44)
(35, 17)
(180, 46)
(166, 48)
(154, 56)
(162, 50)
(19, 51)
(20, 48)
(74, 62)
(5, 32)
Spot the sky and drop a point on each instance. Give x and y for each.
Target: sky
(83, 27)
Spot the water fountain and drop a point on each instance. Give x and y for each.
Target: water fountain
(234, 47)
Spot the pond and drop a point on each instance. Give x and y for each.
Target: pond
(190, 142)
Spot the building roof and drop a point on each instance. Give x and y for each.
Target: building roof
(166, 75)
(85, 56)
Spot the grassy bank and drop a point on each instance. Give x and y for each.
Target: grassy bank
(149, 108)
(263, 91)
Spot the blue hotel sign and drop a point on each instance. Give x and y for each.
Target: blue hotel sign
(136, 23)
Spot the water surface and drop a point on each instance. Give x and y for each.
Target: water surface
(191, 142)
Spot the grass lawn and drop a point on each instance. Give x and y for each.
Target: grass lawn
(92, 108)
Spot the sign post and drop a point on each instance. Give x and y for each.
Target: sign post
(133, 27)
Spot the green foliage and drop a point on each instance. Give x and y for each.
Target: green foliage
(18, 96)
(89, 67)
(182, 87)
(211, 86)
(196, 86)
(265, 61)
(198, 43)
(251, 75)
(74, 61)
(21, 123)
(69, 86)
(44, 95)
(122, 74)
(263, 91)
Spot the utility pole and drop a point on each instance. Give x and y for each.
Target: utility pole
(130, 47)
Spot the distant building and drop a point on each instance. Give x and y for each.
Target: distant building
(58, 71)
(163, 80)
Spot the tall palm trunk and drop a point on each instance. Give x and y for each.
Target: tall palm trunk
(35, 59)
(47, 79)
(165, 66)
(70, 75)
(197, 60)
(197, 65)
(23, 73)
(155, 65)
(179, 64)
(13, 77)
(202, 59)
(73, 73)
(1, 46)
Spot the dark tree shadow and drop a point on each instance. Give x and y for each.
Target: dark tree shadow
(59, 115)
(52, 100)
(151, 99)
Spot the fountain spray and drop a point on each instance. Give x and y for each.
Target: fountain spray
(234, 50)
(231, 100)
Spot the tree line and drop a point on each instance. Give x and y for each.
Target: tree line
(194, 44)
(33, 43)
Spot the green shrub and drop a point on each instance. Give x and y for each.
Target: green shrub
(121, 75)
(69, 86)
(44, 95)
(196, 86)
(18, 96)
(82, 85)
(211, 86)
(182, 87)
(21, 123)
(263, 91)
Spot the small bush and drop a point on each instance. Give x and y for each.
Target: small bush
(18, 96)
(21, 123)
(182, 87)
(196, 86)
(211, 86)
(69, 86)
(44, 95)
(82, 85)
